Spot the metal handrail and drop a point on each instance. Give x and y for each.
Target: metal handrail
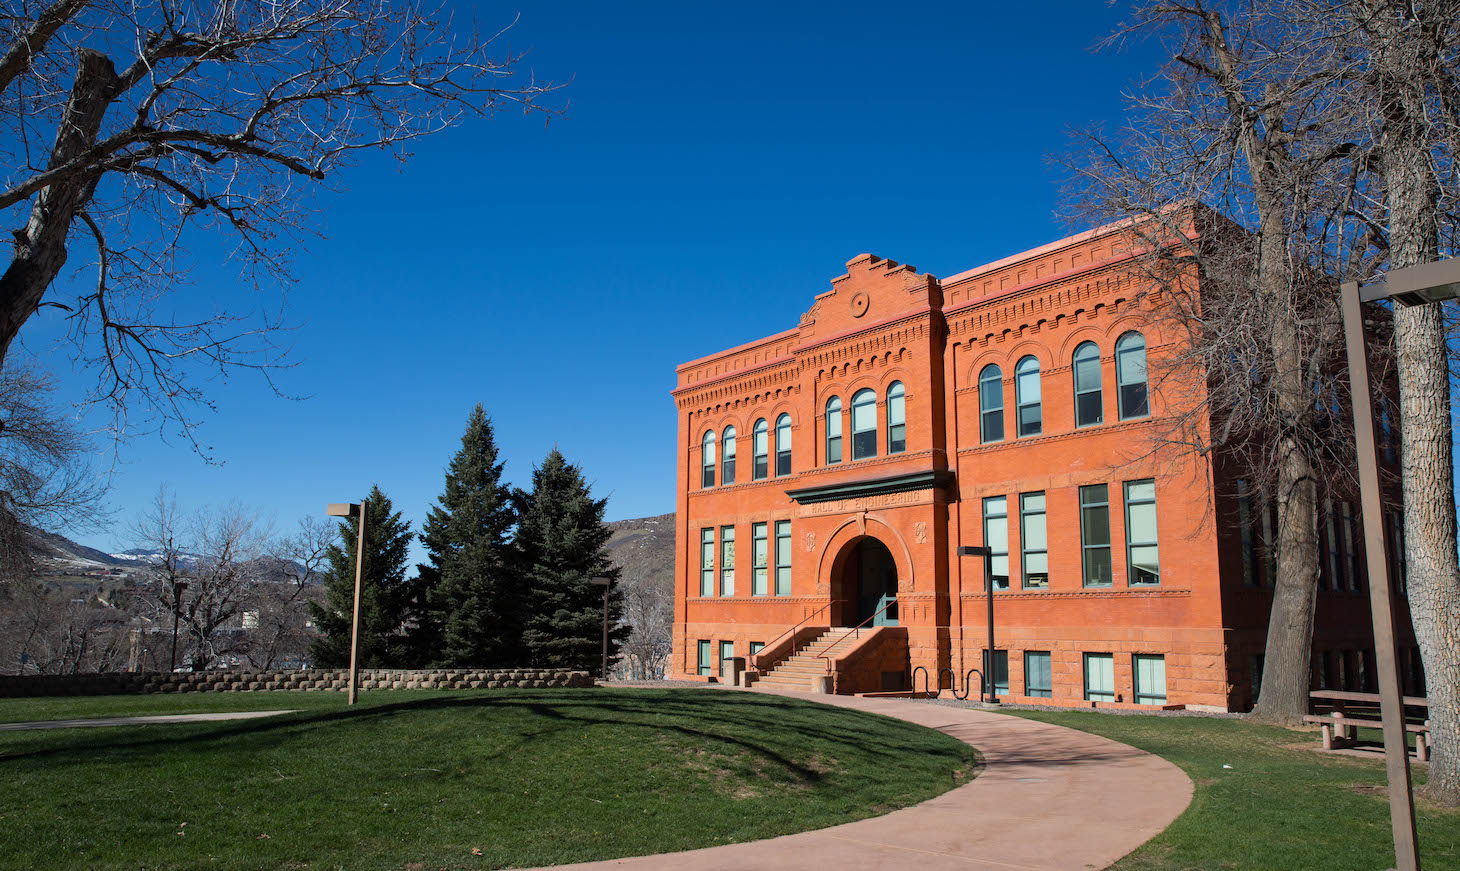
(855, 630)
(792, 631)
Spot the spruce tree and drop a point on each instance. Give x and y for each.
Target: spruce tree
(384, 596)
(561, 545)
(473, 607)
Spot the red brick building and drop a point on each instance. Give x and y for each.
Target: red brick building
(828, 473)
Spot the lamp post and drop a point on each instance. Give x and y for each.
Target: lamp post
(988, 582)
(605, 583)
(1413, 285)
(351, 509)
(178, 588)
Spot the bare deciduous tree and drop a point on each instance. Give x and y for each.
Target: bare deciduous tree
(130, 125)
(282, 633)
(649, 613)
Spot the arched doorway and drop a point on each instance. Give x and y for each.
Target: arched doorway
(868, 583)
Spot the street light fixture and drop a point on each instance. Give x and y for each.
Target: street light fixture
(352, 509)
(988, 581)
(606, 584)
(1413, 285)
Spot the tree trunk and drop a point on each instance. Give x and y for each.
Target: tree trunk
(1402, 58)
(40, 248)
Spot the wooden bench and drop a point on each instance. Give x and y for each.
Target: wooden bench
(1337, 727)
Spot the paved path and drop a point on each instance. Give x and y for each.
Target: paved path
(1050, 798)
(137, 721)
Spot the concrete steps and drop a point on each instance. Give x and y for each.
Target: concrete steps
(800, 672)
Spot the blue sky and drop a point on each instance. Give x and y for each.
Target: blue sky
(717, 166)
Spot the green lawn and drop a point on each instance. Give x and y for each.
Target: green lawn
(1281, 806)
(526, 777)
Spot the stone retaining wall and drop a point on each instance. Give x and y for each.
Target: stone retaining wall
(303, 679)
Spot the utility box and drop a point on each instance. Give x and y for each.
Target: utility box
(732, 667)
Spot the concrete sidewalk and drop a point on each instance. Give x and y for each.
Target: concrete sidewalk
(1050, 798)
(137, 721)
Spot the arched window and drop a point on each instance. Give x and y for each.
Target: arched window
(1130, 376)
(896, 419)
(1026, 396)
(864, 424)
(991, 404)
(727, 463)
(783, 445)
(1089, 407)
(707, 460)
(834, 430)
(761, 448)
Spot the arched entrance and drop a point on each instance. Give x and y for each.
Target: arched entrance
(867, 582)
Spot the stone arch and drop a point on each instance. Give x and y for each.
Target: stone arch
(842, 542)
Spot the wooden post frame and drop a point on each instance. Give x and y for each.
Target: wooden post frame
(350, 509)
(1381, 606)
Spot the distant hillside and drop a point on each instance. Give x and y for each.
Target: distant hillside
(60, 551)
(644, 548)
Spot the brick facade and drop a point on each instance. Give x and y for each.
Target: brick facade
(884, 323)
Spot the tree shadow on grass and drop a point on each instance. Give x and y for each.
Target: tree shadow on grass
(747, 724)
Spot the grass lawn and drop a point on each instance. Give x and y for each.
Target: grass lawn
(427, 779)
(1281, 806)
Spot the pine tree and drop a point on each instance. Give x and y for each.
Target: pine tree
(473, 608)
(561, 545)
(384, 599)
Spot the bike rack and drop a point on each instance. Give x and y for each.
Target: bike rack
(967, 686)
(914, 685)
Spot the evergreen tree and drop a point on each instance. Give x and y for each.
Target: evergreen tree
(561, 545)
(473, 611)
(384, 594)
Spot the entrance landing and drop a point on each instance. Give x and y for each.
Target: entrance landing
(1050, 799)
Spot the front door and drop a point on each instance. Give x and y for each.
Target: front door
(876, 575)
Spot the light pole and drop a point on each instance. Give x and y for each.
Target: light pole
(988, 582)
(606, 584)
(1414, 285)
(351, 509)
(178, 588)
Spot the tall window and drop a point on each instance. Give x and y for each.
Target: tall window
(991, 404)
(783, 445)
(864, 425)
(1000, 670)
(1026, 396)
(707, 460)
(1037, 682)
(996, 538)
(1142, 558)
(727, 463)
(707, 562)
(704, 658)
(1034, 540)
(727, 560)
(759, 557)
(1089, 407)
(1249, 542)
(727, 651)
(1099, 677)
(896, 419)
(1150, 679)
(1095, 534)
(783, 557)
(761, 447)
(1333, 577)
(834, 430)
(1130, 375)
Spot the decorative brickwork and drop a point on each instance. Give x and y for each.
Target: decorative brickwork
(305, 679)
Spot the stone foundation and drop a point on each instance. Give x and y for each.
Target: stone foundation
(302, 679)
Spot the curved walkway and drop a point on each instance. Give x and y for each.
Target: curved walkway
(160, 719)
(1050, 798)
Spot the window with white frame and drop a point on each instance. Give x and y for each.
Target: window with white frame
(760, 447)
(1150, 672)
(1095, 534)
(727, 452)
(1037, 678)
(707, 561)
(996, 538)
(1130, 376)
(1089, 405)
(991, 404)
(783, 445)
(1142, 556)
(759, 559)
(727, 560)
(1034, 540)
(707, 460)
(703, 665)
(783, 557)
(1027, 397)
(896, 419)
(864, 424)
(834, 430)
(1099, 677)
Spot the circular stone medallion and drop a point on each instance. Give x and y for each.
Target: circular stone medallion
(859, 304)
